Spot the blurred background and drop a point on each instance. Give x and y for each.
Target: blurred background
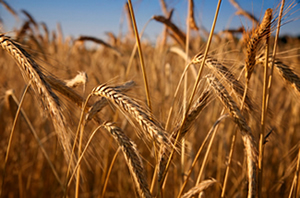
(96, 17)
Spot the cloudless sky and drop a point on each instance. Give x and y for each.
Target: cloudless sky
(95, 17)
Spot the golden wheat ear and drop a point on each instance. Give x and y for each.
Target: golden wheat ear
(32, 71)
(248, 139)
(132, 158)
(286, 72)
(151, 129)
(226, 74)
(253, 41)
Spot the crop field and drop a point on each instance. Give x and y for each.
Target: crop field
(210, 114)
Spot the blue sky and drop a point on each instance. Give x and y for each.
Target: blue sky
(95, 17)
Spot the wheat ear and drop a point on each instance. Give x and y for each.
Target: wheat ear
(132, 158)
(32, 71)
(248, 140)
(195, 110)
(150, 127)
(285, 71)
(220, 69)
(253, 41)
(199, 188)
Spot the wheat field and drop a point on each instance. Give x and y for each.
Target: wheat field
(211, 115)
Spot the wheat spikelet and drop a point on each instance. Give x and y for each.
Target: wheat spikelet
(199, 188)
(285, 71)
(31, 70)
(80, 79)
(128, 106)
(248, 140)
(132, 158)
(195, 110)
(253, 41)
(220, 69)
(102, 102)
(62, 88)
(288, 75)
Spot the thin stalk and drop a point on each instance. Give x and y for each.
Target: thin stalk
(295, 179)
(187, 45)
(12, 133)
(81, 129)
(39, 142)
(76, 136)
(193, 92)
(140, 54)
(198, 155)
(134, 51)
(297, 175)
(274, 53)
(245, 94)
(109, 171)
(153, 179)
(207, 151)
(81, 156)
(229, 163)
(263, 120)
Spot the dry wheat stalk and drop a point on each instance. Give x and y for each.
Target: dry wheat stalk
(132, 158)
(248, 140)
(252, 43)
(150, 127)
(220, 69)
(32, 71)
